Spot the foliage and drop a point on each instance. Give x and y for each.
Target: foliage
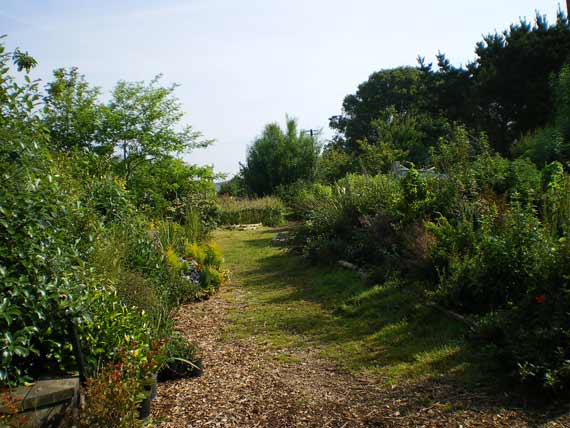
(168, 187)
(279, 157)
(512, 77)
(377, 159)
(197, 273)
(35, 221)
(182, 359)
(505, 92)
(233, 187)
(333, 164)
(113, 396)
(269, 211)
(416, 196)
(78, 252)
(142, 121)
(333, 213)
(396, 89)
(551, 143)
(502, 254)
(72, 111)
(485, 236)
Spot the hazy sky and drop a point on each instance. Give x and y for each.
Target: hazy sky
(244, 63)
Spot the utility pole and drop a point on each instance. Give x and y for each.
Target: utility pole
(313, 132)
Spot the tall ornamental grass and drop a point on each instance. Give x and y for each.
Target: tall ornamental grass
(269, 211)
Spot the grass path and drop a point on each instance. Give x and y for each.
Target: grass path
(290, 345)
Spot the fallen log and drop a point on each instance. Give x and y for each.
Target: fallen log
(452, 314)
(352, 267)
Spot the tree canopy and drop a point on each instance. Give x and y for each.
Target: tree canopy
(280, 157)
(72, 111)
(506, 92)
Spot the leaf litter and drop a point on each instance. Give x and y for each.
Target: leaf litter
(244, 385)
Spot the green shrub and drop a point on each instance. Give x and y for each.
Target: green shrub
(195, 252)
(213, 256)
(304, 200)
(490, 260)
(530, 336)
(195, 273)
(234, 187)
(110, 200)
(113, 395)
(416, 196)
(76, 253)
(269, 211)
(334, 164)
(182, 359)
(336, 215)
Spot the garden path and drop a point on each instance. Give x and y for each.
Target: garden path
(252, 379)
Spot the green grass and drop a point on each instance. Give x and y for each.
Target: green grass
(291, 306)
(268, 210)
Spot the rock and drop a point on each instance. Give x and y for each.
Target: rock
(281, 239)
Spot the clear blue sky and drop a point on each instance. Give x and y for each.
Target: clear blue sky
(245, 63)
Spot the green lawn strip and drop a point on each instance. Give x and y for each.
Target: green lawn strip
(381, 329)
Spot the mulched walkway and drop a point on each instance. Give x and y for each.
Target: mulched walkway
(243, 385)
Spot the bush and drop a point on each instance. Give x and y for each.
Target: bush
(182, 359)
(487, 238)
(112, 399)
(269, 211)
(77, 255)
(336, 215)
(197, 273)
(43, 221)
(490, 260)
(114, 394)
(530, 336)
(234, 187)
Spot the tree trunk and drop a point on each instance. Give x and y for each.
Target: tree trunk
(567, 8)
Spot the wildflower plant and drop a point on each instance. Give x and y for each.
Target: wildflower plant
(198, 273)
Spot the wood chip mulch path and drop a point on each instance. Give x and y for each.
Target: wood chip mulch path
(243, 385)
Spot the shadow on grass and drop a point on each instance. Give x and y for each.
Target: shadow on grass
(382, 329)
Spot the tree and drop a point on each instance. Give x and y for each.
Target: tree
(448, 91)
(334, 164)
(513, 73)
(506, 92)
(72, 111)
(551, 143)
(280, 157)
(142, 122)
(168, 183)
(398, 88)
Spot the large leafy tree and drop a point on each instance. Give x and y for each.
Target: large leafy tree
(398, 88)
(513, 74)
(168, 182)
(280, 157)
(505, 92)
(72, 111)
(448, 90)
(551, 143)
(143, 122)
